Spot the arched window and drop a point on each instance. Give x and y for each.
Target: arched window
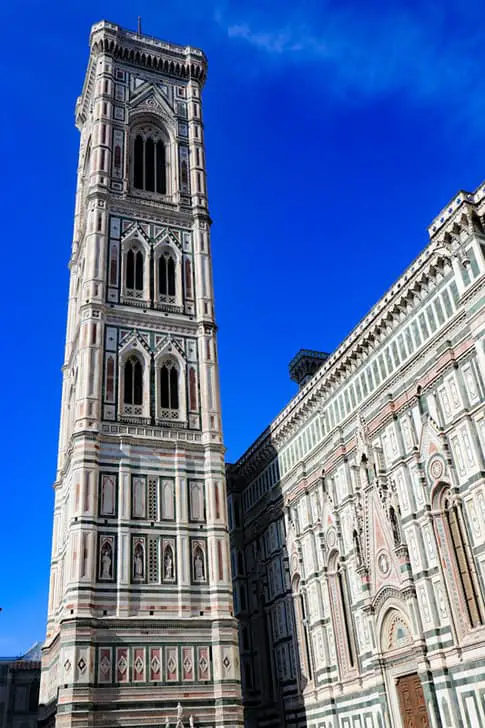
(149, 163)
(346, 616)
(463, 560)
(166, 277)
(134, 271)
(342, 623)
(169, 388)
(133, 380)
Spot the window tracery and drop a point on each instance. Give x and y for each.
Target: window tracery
(134, 273)
(167, 277)
(341, 613)
(462, 558)
(169, 390)
(149, 161)
(133, 386)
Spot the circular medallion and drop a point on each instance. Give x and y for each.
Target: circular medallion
(383, 563)
(436, 468)
(331, 538)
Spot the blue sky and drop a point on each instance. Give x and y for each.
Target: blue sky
(335, 132)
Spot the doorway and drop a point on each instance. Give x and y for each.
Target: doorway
(411, 702)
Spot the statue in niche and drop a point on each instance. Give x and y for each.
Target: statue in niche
(395, 527)
(106, 561)
(198, 564)
(168, 563)
(358, 552)
(180, 715)
(138, 561)
(191, 721)
(366, 468)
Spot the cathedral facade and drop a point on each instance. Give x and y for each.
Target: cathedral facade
(357, 519)
(140, 616)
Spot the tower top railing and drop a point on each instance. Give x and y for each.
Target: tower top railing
(145, 39)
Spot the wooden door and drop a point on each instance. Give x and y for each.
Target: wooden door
(412, 703)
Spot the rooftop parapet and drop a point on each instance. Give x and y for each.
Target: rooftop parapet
(148, 51)
(114, 30)
(447, 213)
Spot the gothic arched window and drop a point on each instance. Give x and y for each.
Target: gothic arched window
(342, 620)
(169, 386)
(133, 381)
(149, 163)
(346, 616)
(134, 270)
(463, 560)
(166, 277)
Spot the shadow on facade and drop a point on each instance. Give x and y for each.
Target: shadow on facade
(273, 637)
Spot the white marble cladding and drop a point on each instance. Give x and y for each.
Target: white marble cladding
(375, 368)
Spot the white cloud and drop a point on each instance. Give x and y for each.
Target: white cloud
(370, 51)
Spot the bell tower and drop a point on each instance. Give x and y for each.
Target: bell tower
(140, 627)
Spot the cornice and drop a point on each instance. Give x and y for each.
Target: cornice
(146, 211)
(142, 320)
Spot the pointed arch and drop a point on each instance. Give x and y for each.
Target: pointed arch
(133, 381)
(394, 629)
(134, 268)
(168, 274)
(171, 386)
(465, 574)
(133, 388)
(169, 395)
(150, 156)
